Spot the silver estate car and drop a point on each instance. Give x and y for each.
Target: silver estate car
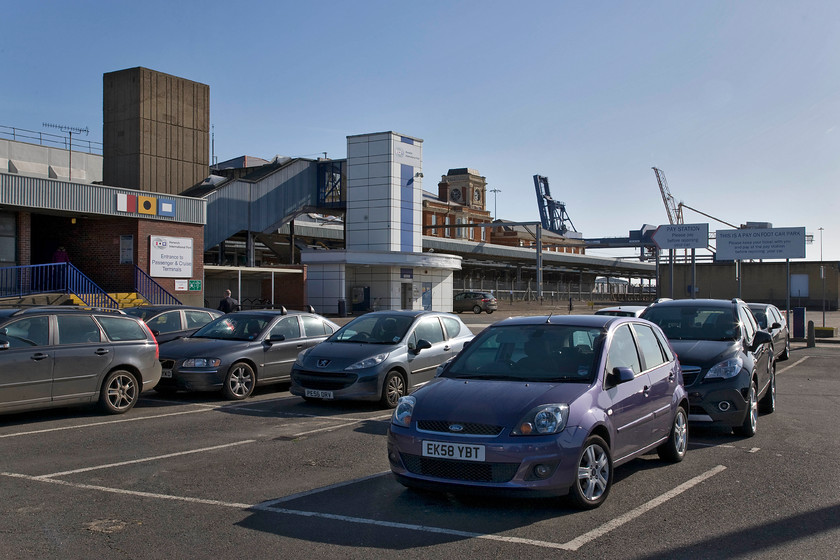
(379, 356)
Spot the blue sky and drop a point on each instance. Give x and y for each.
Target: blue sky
(737, 102)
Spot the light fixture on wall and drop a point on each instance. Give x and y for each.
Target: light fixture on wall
(418, 174)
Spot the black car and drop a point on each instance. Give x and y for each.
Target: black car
(727, 360)
(169, 322)
(240, 350)
(61, 356)
(770, 318)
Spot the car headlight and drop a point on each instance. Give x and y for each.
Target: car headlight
(543, 420)
(369, 362)
(202, 362)
(402, 414)
(301, 356)
(726, 369)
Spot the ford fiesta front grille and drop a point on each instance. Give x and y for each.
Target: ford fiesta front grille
(466, 471)
(467, 428)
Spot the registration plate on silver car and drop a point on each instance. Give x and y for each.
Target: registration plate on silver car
(316, 394)
(167, 373)
(459, 451)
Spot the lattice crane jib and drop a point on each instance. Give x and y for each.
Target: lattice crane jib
(553, 214)
(674, 213)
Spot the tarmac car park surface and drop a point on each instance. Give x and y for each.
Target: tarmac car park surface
(194, 476)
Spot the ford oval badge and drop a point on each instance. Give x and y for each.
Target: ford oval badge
(456, 428)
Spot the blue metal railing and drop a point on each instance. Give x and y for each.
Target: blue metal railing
(153, 292)
(19, 281)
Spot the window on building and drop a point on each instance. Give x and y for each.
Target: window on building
(460, 235)
(8, 239)
(447, 232)
(434, 223)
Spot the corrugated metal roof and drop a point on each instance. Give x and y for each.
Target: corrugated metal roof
(83, 198)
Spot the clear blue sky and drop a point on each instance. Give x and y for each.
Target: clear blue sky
(737, 102)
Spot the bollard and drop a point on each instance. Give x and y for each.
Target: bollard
(811, 343)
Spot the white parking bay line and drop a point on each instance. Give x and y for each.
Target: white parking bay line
(572, 545)
(94, 424)
(339, 426)
(575, 544)
(794, 364)
(144, 460)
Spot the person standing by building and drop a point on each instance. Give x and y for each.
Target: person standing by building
(228, 304)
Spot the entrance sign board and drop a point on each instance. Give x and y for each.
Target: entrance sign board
(170, 257)
(682, 236)
(760, 243)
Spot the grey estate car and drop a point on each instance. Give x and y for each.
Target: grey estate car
(60, 356)
(379, 356)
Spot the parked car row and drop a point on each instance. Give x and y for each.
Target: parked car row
(544, 405)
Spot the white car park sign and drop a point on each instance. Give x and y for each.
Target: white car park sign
(682, 236)
(170, 257)
(760, 243)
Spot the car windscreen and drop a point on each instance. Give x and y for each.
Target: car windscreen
(235, 326)
(374, 329)
(539, 353)
(694, 322)
(141, 312)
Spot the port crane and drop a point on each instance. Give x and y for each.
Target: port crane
(552, 213)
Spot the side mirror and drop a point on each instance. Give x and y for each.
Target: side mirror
(275, 338)
(620, 375)
(761, 337)
(776, 326)
(4, 345)
(422, 344)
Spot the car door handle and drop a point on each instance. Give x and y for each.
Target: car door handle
(101, 351)
(39, 356)
(646, 391)
(447, 348)
(672, 376)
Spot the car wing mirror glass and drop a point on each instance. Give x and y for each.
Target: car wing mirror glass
(776, 326)
(275, 338)
(4, 345)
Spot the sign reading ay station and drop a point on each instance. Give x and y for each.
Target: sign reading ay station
(682, 236)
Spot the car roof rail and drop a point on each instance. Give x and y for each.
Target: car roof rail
(66, 309)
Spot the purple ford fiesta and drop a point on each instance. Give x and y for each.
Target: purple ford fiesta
(543, 406)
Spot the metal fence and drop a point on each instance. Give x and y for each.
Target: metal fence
(50, 140)
(20, 281)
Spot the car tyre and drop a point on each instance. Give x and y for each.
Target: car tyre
(239, 382)
(489, 311)
(767, 405)
(675, 448)
(595, 474)
(786, 352)
(119, 392)
(750, 425)
(392, 389)
(476, 309)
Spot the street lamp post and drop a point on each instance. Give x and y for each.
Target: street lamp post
(495, 196)
(822, 275)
